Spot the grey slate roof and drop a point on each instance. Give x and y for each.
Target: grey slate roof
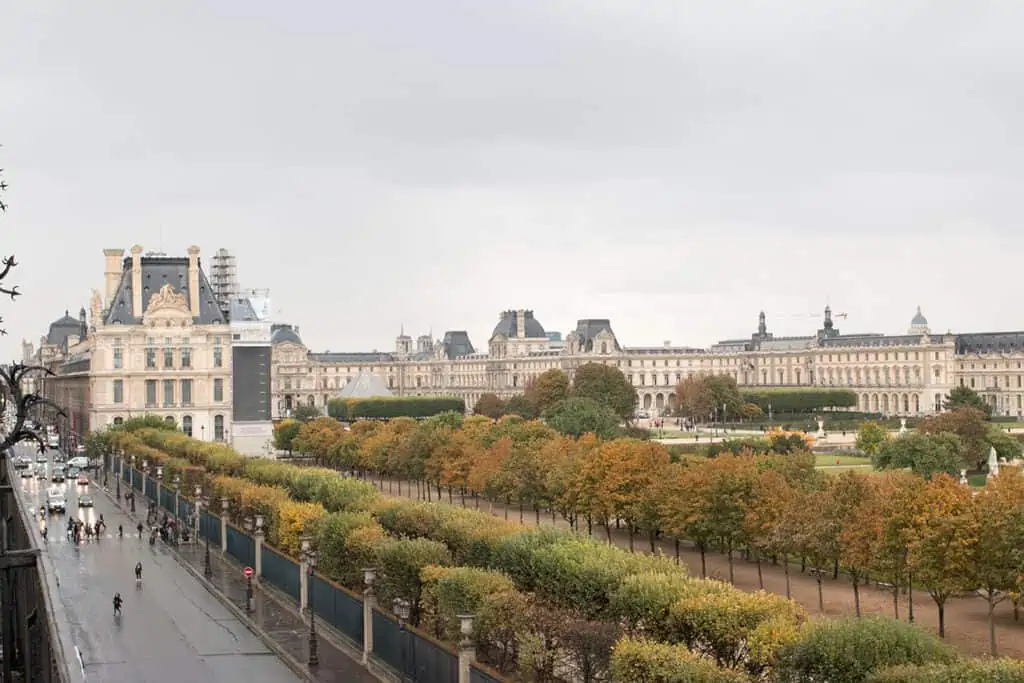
(158, 271)
(990, 342)
(281, 333)
(509, 325)
(241, 309)
(456, 343)
(63, 328)
(354, 358)
(588, 328)
(365, 385)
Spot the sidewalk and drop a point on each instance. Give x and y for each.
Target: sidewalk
(275, 619)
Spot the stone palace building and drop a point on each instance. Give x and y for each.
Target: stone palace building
(907, 374)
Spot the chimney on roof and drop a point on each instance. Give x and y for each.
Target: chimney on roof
(137, 302)
(193, 280)
(112, 273)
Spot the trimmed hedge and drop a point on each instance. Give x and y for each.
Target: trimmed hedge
(644, 661)
(800, 400)
(971, 671)
(396, 406)
(851, 650)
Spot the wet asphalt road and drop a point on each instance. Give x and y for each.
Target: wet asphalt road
(171, 629)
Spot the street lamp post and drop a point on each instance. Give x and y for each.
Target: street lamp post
(207, 567)
(120, 469)
(250, 603)
(401, 608)
(198, 510)
(307, 550)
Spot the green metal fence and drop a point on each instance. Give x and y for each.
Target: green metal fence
(281, 571)
(338, 608)
(241, 546)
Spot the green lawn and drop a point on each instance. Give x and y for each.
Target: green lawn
(861, 469)
(831, 459)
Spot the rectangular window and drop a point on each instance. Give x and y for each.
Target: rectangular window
(150, 393)
(186, 357)
(150, 358)
(118, 357)
(168, 392)
(168, 357)
(186, 392)
(118, 391)
(218, 427)
(218, 389)
(218, 357)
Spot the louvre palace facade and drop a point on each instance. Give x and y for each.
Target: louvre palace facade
(900, 375)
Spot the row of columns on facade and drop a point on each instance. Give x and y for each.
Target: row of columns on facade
(307, 568)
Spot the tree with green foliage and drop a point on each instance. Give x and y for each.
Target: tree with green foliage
(285, 433)
(606, 385)
(489, 405)
(967, 423)
(546, 390)
(871, 437)
(725, 396)
(924, 454)
(1006, 445)
(522, 406)
(694, 398)
(576, 416)
(965, 397)
(305, 412)
(800, 400)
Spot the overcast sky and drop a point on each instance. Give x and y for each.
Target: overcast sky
(673, 166)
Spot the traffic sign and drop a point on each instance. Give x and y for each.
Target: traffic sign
(248, 571)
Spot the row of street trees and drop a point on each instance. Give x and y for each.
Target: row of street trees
(897, 527)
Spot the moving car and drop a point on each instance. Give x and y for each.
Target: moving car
(79, 462)
(42, 457)
(58, 475)
(22, 462)
(56, 501)
(85, 501)
(40, 471)
(72, 473)
(83, 479)
(27, 473)
(52, 440)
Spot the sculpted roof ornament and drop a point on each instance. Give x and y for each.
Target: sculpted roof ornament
(168, 299)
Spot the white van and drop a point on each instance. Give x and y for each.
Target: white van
(79, 462)
(56, 501)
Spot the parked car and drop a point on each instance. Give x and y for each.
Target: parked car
(85, 501)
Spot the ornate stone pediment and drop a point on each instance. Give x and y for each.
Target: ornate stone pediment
(168, 307)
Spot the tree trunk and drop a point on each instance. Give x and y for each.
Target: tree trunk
(608, 531)
(785, 567)
(631, 534)
(803, 564)
(438, 484)
(942, 618)
(896, 600)
(536, 515)
(462, 495)
(835, 569)
(506, 509)
(856, 595)
(652, 537)
(590, 525)
(992, 623)
(520, 512)
(760, 577)
(821, 597)
(390, 490)
(703, 560)
(450, 501)
(728, 550)
(426, 485)
(676, 544)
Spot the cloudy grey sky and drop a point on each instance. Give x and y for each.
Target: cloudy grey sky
(674, 166)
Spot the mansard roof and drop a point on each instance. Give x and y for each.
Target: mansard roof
(990, 342)
(158, 271)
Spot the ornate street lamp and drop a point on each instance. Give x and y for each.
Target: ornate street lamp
(402, 610)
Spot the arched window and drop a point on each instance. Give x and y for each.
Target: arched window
(218, 427)
(604, 347)
(169, 419)
(186, 425)
(311, 400)
(118, 421)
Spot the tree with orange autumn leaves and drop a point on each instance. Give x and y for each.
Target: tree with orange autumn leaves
(895, 526)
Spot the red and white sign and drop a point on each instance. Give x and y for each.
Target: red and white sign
(248, 572)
